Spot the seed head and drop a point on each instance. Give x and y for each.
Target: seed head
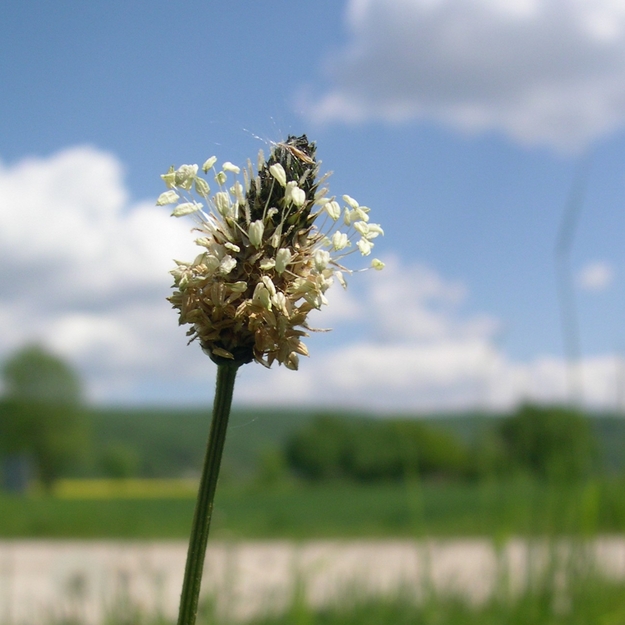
(268, 253)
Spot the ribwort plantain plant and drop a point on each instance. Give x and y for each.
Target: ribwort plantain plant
(270, 247)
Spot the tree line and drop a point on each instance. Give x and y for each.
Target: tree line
(46, 432)
(547, 442)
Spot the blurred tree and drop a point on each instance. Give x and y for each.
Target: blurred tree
(272, 467)
(34, 375)
(551, 442)
(120, 461)
(41, 414)
(489, 456)
(317, 450)
(375, 449)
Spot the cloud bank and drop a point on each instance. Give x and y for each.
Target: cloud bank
(547, 72)
(84, 271)
(418, 350)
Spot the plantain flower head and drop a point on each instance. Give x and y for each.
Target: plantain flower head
(271, 242)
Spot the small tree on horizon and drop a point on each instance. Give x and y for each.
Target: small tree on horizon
(551, 442)
(41, 412)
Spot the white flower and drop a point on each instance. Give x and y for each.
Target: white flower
(212, 263)
(209, 164)
(333, 209)
(268, 253)
(269, 285)
(277, 171)
(279, 301)
(298, 196)
(360, 214)
(373, 230)
(365, 247)
(377, 264)
(237, 190)
(283, 258)
(321, 259)
(262, 296)
(222, 203)
(294, 194)
(185, 175)
(239, 287)
(227, 264)
(186, 209)
(169, 178)
(228, 166)
(201, 187)
(255, 233)
(168, 197)
(339, 240)
(361, 228)
(350, 201)
(341, 278)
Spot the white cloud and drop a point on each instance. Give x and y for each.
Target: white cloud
(415, 303)
(85, 271)
(595, 276)
(450, 361)
(542, 71)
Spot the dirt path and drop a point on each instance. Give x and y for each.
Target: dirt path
(43, 579)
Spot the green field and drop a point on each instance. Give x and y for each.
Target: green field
(589, 601)
(260, 497)
(300, 511)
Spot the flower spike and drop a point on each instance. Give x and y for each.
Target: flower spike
(269, 253)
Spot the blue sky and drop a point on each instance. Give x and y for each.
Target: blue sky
(460, 122)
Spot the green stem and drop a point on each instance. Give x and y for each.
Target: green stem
(226, 374)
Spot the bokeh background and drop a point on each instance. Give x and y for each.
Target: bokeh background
(461, 123)
(488, 138)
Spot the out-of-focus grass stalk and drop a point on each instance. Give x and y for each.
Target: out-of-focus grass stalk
(226, 374)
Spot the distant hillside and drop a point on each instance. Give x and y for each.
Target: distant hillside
(171, 442)
(610, 432)
(609, 429)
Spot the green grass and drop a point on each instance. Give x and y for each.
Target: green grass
(588, 600)
(48, 517)
(599, 603)
(334, 510)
